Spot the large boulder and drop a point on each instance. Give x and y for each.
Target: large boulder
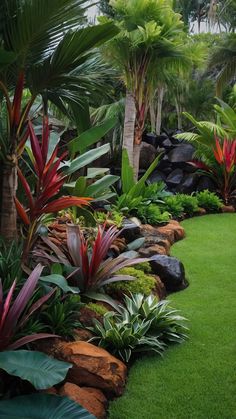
(90, 398)
(181, 153)
(93, 367)
(171, 271)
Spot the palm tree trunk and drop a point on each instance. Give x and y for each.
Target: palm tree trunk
(152, 115)
(160, 97)
(129, 124)
(8, 225)
(179, 114)
(136, 154)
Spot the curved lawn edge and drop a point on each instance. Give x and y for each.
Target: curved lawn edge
(195, 380)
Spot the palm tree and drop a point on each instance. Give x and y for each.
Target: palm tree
(224, 59)
(150, 36)
(44, 48)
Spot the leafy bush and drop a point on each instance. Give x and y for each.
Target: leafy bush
(152, 214)
(110, 218)
(156, 192)
(143, 283)
(173, 206)
(145, 267)
(209, 200)
(188, 202)
(61, 315)
(143, 324)
(10, 263)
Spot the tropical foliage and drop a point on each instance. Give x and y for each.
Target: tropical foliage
(143, 324)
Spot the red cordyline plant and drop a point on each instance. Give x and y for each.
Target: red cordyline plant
(50, 180)
(94, 270)
(223, 167)
(12, 315)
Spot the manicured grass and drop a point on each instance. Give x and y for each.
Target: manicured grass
(196, 380)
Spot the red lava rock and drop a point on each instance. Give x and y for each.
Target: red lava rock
(228, 208)
(91, 399)
(93, 367)
(173, 231)
(156, 249)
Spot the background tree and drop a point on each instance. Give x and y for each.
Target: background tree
(151, 34)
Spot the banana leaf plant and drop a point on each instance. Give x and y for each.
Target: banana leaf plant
(222, 167)
(49, 182)
(92, 269)
(12, 312)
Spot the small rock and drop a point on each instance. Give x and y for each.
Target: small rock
(181, 153)
(91, 399)
(175, 177)
(93, 367)
(173, 231)
(202, 211)
(227, 208)
(152, 250)
(171, 272)
(130, 231)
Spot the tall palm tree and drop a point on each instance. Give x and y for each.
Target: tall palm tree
(224, 59)
(150, 35)
(44, 48)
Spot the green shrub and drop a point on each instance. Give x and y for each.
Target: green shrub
(61, 315)
(145, 267)
(112, 217)
(173, 206)
(97, 308)
(143, 283)
(152, 214)
(188, 202)
(155, 192)
(143, 324)
(209, 200)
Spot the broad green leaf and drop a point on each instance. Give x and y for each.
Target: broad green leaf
(102, 297)
(81, 114)
(127, 173)
(101, 185)
(6, 57)
(137, 189)
(60, 282)
(91, 136)
(42, 406)
(86, 159)
(80, 187)
(87, 215)
(40, 370)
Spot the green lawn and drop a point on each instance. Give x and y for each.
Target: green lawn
(196, 380)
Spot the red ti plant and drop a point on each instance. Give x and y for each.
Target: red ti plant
(222, 169)
(93, 271)
(49, 181)
(12, 315)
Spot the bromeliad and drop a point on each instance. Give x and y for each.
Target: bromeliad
(49, 181)
(222, 168)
